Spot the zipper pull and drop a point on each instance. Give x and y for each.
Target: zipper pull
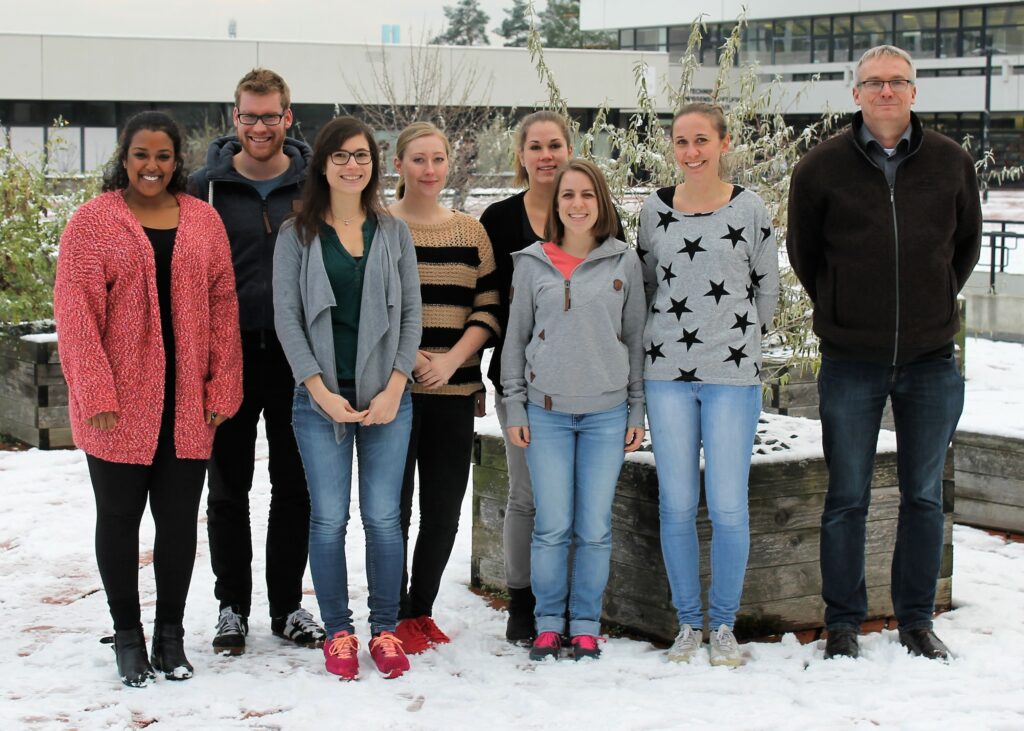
(568, 298)
(266, 218)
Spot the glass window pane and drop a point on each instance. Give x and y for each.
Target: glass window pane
(757, 43)
(792, 41)
(949, 19)
(876, 23)
(972, 17)
(949, 48)
(916, 21)
(626, 38)
(678, 36)
(972, 41)
(1008, 40)
(651, 39)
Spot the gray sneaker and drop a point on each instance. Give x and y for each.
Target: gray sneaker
(686, 645)
(724, 649)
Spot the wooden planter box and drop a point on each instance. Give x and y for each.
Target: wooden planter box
(990, 481)
(33, 393)
(782, 592)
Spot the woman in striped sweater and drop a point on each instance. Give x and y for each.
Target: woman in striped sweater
(460, 316)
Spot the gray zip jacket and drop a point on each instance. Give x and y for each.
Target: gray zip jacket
(389, 316)
(575, 345)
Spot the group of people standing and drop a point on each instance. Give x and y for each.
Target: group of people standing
(294, 293)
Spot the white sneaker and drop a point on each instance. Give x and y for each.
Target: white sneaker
(686, 645)
(724, 649)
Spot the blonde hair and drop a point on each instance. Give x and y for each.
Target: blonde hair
(521, 179)
(883, 51)
(415, 131)
(607, 223)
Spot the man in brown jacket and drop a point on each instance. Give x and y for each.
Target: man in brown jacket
(884, 230)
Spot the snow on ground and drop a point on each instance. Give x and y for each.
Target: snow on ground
(57, 675)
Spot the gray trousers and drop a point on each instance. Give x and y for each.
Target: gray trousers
(518, 530)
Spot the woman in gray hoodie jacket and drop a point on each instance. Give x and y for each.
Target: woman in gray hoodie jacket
(572, 373)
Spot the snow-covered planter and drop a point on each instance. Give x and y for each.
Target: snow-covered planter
(782, 592)
(33, 393)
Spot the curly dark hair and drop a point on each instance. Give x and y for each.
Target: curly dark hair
(115, 177)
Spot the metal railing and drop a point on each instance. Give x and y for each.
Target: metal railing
(1000, 240)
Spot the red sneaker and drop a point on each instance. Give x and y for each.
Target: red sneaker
(432, 632)
(341, 655)
(586, 646)
(386, 651)
(410, 633)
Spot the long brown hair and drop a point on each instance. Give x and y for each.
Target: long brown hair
(316, 193)
(521, 179)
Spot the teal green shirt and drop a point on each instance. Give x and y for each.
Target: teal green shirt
(345, 273)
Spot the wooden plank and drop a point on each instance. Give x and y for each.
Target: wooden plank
(21, 411)
(987, 461)
(988, 441)
(487, 481)
(48, 374)
(993, 516)
(798, 394)
(492, 453)
(1007, 490)
(22, 432)
(53, 395)
(57, 439)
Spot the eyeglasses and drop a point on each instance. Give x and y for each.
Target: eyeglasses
(876, 85)
(271, 120)
(341, 157)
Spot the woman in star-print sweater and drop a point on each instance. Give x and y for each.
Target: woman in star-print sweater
(710, 269)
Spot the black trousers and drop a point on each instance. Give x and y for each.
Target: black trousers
(173, 487)
(267, 389)
(441, 446)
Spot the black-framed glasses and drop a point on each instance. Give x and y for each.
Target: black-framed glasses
(341, 157)
(271, 120)
(876, 85)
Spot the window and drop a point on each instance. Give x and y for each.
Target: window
(917, 33)
(626, 38)
(822, 40)
(841, 43)
(757, 42)
(949, 33)
(792, 41)
(870, 31)
(650, 39)
(678, 37)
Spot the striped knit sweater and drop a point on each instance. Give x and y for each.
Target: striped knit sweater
(458, 286)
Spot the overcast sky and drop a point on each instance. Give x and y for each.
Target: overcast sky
(357, 21)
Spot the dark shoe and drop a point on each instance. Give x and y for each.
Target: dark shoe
(232, 628)
(547, 644)
(521, 628)
(168, 655)
(129, 647)
(841, 642)
(922, 641)
(299, 627)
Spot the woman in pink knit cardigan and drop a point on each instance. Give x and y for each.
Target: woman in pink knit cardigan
(147, 323)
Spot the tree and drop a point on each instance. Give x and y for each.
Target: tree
(467, 25)
(515, 28)
(560, 28)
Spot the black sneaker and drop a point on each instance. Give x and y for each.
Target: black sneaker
(923, 642)
(300, 628)
(841, 642)
(232, 628)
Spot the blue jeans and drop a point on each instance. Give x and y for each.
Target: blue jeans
(574, 462)
(382, 450)
(927, 398)
(683, 416)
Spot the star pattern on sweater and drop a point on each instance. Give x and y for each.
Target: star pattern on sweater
(736, 355)
(668, 276)
(756, 278)
(742, 323)
(688, 376)
(692, 248)
(690, 338)
(757, 369)
(717, 291)
(641, 252)
(678, 307)
(666, 219)
(655, 351)
(765, 233)
(735, 235)
(750, 293)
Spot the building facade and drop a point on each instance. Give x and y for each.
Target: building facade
(796, 40)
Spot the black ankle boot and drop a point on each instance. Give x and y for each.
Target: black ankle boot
(168, 654)
(130, 650)
(521, 628)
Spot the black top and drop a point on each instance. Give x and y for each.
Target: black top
(162, 240)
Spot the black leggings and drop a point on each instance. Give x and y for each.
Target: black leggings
(441, 446)
(173, 487)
